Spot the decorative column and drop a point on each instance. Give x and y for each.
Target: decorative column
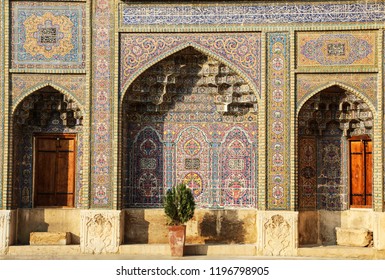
(7, 229)
(278, 121)
(277, 233)
(102, 194)
(101, 231)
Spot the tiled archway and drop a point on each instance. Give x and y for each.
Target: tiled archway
(182, 115)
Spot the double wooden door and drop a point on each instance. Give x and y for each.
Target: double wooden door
(361, 172)
(54, 170)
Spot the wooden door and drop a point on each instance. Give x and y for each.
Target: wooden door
(54, 170)
(361, 172)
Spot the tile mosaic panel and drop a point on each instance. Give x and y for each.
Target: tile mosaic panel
(365, 84)
(102, 85)
(278, 121)
(337, 49)
(170, 14)
(240, 50)
(48, 35)
(23, 83)
(330, 184)
(192, 162)
(307, 173)
(237, 163)
(145, 183)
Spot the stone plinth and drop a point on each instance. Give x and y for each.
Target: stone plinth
(359, 237)
(379, 231)
(50, 238)
(277, 233)
(100, 231)
(7, 229)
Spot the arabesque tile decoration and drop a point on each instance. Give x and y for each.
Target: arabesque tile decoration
(242, 50)
(251, 13)
(337, 49)
(23, 84)
(102, 116)
(48, 35)
(365, 84)
(278, 120)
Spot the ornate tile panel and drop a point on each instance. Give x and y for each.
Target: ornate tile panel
(25, 83)
(278, 93)
(365, 84)
(48, 35)
(170, 14)
(102, 85)
(336, 49)
(240, 50)
(307, 173)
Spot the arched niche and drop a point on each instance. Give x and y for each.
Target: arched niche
(189, 94)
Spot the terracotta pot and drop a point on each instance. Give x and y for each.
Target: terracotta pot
(176, 238)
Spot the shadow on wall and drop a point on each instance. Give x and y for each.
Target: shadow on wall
(47, 220)
(318, 227)
(222, 227)
(138, 230)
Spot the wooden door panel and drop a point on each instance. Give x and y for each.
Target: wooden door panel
(357, 178)
(45, 177)
(65, 176)
(55, 170)
(361, 172)
(44, 144)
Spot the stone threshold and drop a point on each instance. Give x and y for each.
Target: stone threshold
(340, 252)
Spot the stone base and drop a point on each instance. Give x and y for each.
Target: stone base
(278, 233)
(358, 237)
(7, 229)
(50, 238)
(100, 231)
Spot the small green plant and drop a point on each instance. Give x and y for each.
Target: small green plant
(179, 205)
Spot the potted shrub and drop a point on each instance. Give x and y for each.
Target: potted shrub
(179, 206)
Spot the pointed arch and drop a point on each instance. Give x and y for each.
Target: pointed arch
(199, 48)
(236, 128)
(341, 85)
(43, 85)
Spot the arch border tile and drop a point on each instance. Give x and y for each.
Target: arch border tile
(195, 42)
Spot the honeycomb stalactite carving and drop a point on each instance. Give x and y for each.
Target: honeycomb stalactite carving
(37, 110)
(191, 71)
(351, 113)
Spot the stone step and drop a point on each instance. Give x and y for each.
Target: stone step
(46, 250)
(360, 237)
(339, 252)
(50, 238)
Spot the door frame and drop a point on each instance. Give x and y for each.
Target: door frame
(48, 135)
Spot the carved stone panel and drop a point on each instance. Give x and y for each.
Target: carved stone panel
(278, 234)
(100, 231)
(7, 230)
